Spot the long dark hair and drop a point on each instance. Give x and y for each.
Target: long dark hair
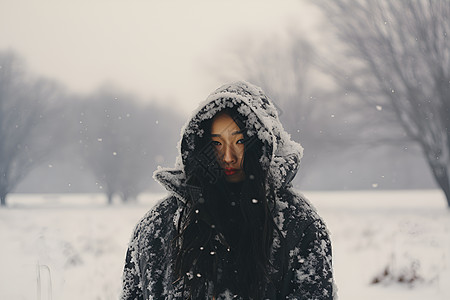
(225, 236)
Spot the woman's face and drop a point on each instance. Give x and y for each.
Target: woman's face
(228, 142)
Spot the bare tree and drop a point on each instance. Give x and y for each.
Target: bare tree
(122, 142)
(27, 112)
(398, 59)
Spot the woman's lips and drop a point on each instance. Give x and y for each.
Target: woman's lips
(230, 171)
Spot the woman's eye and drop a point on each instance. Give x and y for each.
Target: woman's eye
(241, 141)
(215, 143)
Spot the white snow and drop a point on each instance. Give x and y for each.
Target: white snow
(78, 244)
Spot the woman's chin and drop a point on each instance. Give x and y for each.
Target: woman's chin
(236, 177)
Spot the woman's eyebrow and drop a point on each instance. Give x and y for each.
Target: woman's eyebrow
(237, 132)
(233, 133)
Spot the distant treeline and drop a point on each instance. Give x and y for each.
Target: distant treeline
(56, 141)
(370, 107)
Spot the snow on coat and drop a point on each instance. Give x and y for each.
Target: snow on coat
(149, 264)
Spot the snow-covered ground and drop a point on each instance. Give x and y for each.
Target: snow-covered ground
(73, 246)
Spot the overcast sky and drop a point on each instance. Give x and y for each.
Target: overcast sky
(150, 48)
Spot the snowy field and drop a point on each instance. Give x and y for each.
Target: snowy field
(386, 245)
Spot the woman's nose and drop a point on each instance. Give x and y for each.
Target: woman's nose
(229, 156)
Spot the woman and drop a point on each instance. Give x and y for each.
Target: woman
(232, 226)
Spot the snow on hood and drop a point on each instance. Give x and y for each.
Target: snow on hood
(262, 117)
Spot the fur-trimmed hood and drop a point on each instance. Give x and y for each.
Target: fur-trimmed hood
(283, 157)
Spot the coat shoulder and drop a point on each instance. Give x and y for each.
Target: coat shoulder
(157, 221)
(296, 214)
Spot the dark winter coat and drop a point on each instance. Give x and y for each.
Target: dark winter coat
(149, 264)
